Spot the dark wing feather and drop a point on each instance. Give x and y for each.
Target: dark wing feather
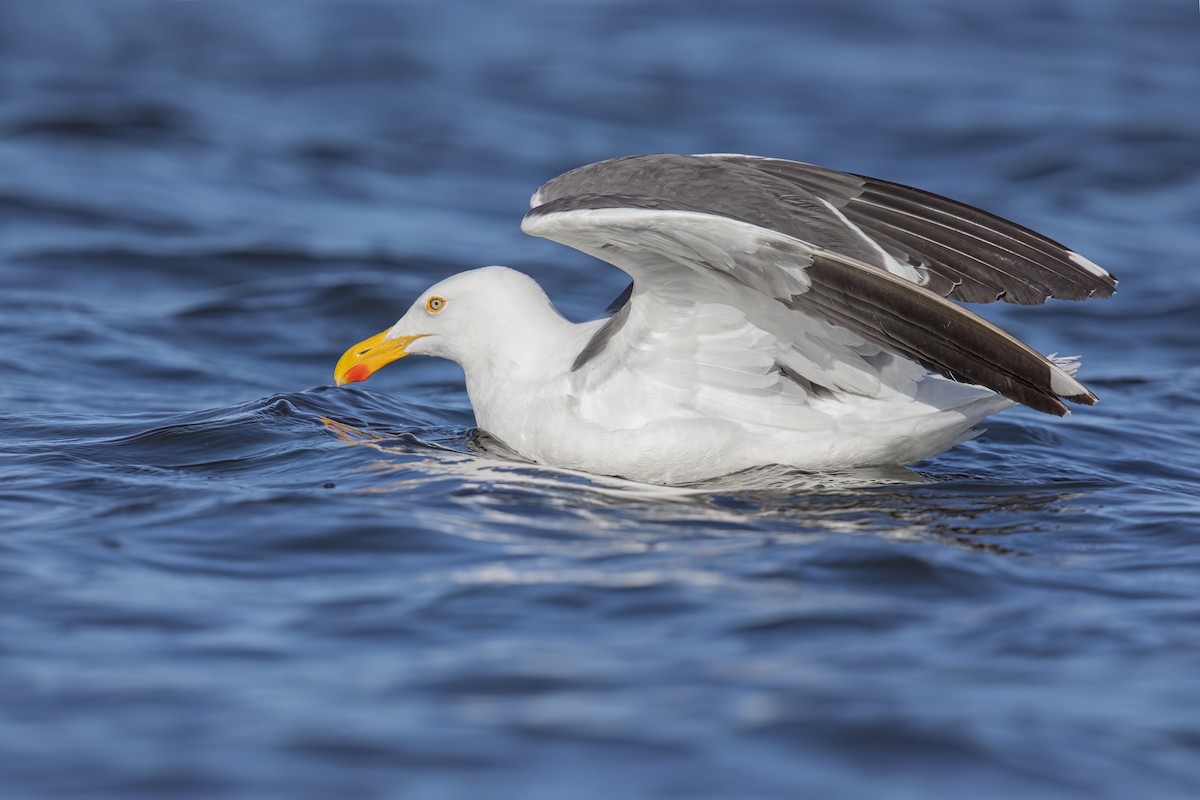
(943, 337)
(969, 254)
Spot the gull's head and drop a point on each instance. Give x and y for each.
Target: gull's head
(463, 318)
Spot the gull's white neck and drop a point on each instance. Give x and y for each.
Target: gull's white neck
(521, 371)
(516, 351)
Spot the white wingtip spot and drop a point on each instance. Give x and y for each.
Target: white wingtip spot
(1089, 265)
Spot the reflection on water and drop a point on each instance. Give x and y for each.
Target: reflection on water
(490, 460)
(896, 502)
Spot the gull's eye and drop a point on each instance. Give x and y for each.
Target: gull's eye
(435, 304)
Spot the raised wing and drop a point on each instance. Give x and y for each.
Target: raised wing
(952, 249)
(853, 285)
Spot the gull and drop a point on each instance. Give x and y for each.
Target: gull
(780, 313)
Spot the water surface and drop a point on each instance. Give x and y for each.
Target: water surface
(221, 577)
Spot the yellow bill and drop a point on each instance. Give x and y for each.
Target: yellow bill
(370, 355)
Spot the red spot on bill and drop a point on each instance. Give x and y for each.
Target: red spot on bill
(359, 372)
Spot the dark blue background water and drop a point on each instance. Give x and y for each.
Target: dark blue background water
(207, 590)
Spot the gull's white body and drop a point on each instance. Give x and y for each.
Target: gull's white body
(780, 313)
(708, 403)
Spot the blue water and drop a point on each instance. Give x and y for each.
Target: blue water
(221, 577)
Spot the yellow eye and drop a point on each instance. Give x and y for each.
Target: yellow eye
(435, 304)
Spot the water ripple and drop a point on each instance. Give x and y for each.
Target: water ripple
(223, 577)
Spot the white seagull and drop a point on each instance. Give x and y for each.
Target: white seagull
(780, 313)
